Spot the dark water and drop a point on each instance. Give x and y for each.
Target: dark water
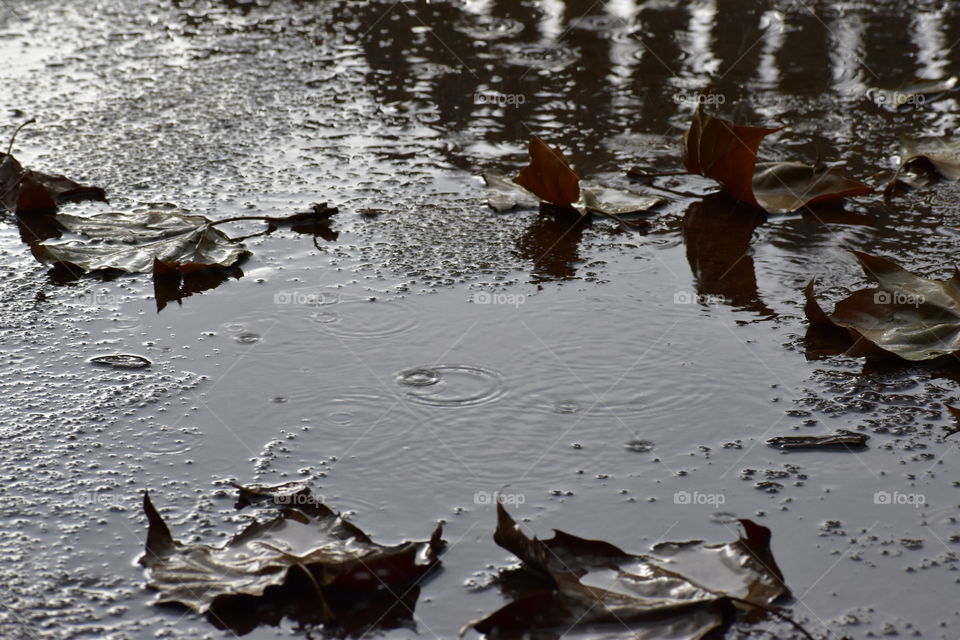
(438, 350)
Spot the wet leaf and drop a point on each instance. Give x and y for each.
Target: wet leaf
(727, 152)
(908, 316)
(506, 194)
(724, 151)
(782, 187)
(306, 563)
(548, 176)
(25, 191)
(679, 590)
(925, 161)
(842, 439)
(955, 412)
(174, 281)
(132, 241)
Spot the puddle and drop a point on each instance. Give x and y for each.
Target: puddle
(566, 351)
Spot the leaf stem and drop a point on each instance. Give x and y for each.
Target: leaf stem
(14, 136)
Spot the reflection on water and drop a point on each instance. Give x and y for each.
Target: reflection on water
(718, 232)
(550, 244)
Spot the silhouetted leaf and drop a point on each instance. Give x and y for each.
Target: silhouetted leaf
(908, 316)
(306, 563)
(24, 191)
(132, 241)
(842, 439)
(679, 590)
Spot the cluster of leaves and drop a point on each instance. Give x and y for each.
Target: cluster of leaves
(305, 563)
(186, 253)
(906, 316)
(308, 564)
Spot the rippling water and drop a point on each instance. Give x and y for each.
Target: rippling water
(437, 351)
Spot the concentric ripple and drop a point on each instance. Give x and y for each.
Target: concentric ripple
(451, 385)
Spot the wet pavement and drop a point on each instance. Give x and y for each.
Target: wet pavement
(616, 384)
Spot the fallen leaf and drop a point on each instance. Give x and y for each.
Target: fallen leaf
(925, 161)
(679, 590)
(548, 176)
(727, 152)
(306, 563)
(842, 439)
(132, 241)
(505, 194)
(724, 151)
(782, 187)
(908, 316)
(955, 412)
(24, 191)
(174, 281)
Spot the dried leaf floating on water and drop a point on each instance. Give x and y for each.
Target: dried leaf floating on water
(925, 161)
(549, 179)
(306, 563)
(727, 152)
(908, 316)
(132, 241)
(680, 590)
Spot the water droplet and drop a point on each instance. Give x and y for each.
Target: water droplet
(639, 446)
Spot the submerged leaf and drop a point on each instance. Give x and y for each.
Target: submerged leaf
(909, 316)
(680, 590)
(548, 176)
(306, 563)
(25, 191)
(132, 241)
